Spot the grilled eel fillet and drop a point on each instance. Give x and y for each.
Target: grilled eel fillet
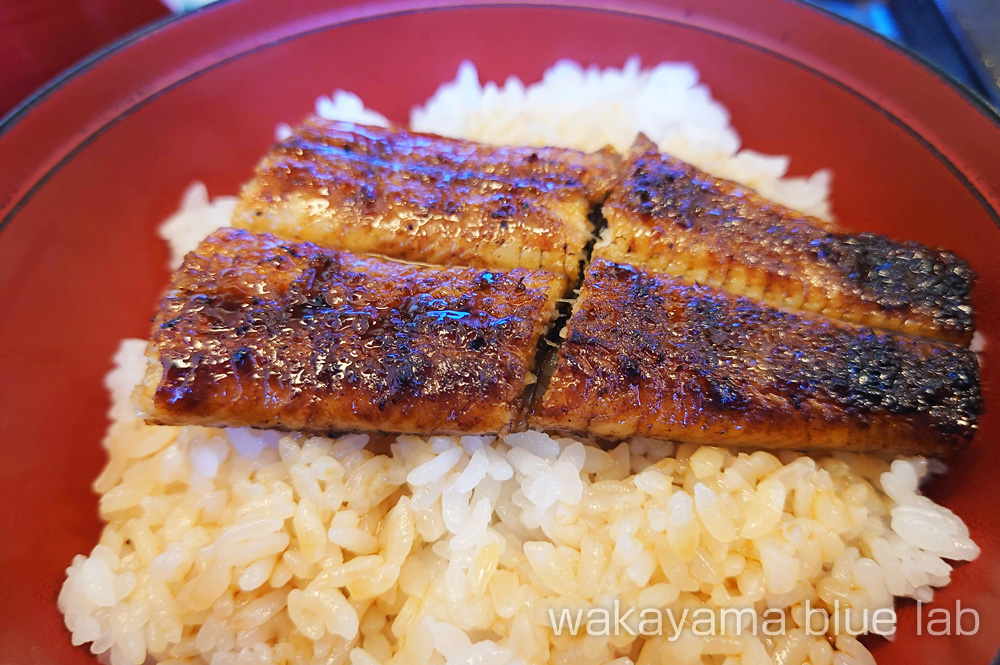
(648, 354)
(426, 198)
(670, 217)
(262, 332)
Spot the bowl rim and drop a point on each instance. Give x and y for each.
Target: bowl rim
(9, 119)
(628, 8)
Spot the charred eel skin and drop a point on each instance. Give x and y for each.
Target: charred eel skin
(262, 332)
(670, 217)
(650, 355)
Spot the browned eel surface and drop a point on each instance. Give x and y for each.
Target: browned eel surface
(670, 217)
(426, 198)
(263, 332)
(647, 354)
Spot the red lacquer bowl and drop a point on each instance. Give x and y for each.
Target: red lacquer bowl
(93, 163)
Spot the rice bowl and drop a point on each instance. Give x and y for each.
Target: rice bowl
(238, 546)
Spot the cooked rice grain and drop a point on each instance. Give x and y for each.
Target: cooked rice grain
(238, 546)
(589, 108)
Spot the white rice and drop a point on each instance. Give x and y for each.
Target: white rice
(198, 216)
(242, 547)
(588, 109)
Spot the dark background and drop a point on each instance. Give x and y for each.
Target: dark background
(961, 37)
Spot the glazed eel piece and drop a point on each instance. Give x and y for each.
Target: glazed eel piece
(670, 217)
(647, 354)
(263, 332)
(427, 198)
